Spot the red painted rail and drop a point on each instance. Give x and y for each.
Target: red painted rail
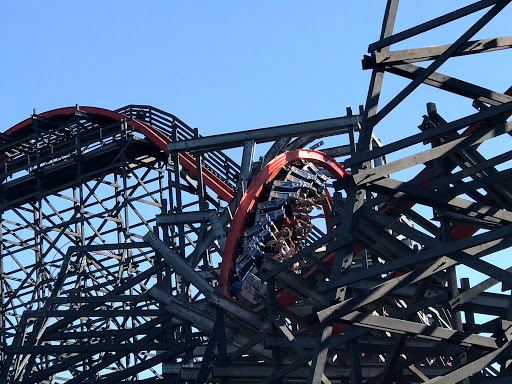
(156, 136)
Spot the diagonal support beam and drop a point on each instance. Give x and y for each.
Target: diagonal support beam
(181, 266)
(412, 55)
(420, 330)
(441, 20)
(450, 84)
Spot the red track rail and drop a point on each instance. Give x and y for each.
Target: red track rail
(154, 135)
(268, 173)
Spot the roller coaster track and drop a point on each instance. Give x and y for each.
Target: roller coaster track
(133, 249)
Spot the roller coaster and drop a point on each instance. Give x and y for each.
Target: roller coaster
(133, 249)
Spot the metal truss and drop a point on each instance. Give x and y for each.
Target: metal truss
(128, 241)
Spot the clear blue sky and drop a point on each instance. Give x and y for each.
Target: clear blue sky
(218, 65)
(224, 65)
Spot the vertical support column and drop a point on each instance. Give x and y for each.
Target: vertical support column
(245, 169)
(470, 318)
(356, 376)
(161, 277)
(164, 277)
(126, 196)
(469, 315)
(163, 210)
(179, 202)
(351, 135)
(126, 253)
(506, 364)
(372, 99)
(169, 231)
(446, 237)
(273, 314)
(203, 204)
(2, 291)
(118, 206)
(38, 239)
(166, 272)
(184, 289)
(222, 345)
(79, 211)
(38, 252)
